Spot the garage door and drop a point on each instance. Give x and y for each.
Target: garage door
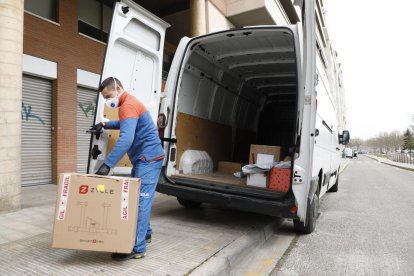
(36, 131)
(85, 115)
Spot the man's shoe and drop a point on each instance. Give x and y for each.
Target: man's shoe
(148, 238)
(127, 256)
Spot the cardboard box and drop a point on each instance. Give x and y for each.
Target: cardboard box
(229, 167)
(257, 180)
(279, 179)
(96, 213)
(272, 150)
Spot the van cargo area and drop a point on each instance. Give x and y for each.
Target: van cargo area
(238, 88)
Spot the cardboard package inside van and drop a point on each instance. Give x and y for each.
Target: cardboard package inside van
(96, 213)
(263, 149)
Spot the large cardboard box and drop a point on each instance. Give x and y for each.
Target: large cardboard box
(263, 149)
(97, 213)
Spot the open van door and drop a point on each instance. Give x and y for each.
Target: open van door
(134, 55)
(305, 190)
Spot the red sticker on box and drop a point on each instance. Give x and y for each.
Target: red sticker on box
(124, 199)
(64, 197)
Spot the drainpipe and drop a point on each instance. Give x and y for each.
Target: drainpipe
(198, 17)
(11, 51)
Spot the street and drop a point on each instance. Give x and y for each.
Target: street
(364, 229)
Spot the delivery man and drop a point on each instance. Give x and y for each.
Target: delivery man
(139, 138)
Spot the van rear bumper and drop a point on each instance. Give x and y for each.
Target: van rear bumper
(276, 207)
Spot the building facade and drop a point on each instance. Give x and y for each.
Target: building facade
(61, 60)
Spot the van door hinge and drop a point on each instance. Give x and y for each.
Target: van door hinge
(169, 140)
(95, 152)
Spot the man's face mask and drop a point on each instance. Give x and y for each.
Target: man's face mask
(113, 102)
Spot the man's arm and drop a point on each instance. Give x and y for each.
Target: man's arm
(125, 140)
(111, 124)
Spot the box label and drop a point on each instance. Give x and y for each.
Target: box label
(124, 199)
(64, 197)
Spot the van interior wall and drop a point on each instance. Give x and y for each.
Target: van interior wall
(227, 102)
(277, 122)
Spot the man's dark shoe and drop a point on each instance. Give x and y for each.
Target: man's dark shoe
(148, 238)
(127, 256)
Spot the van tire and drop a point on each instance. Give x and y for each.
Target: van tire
(334, 188)
(311, 217)
(188, 203)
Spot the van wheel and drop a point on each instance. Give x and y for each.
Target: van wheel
(188, 203)
(334, 188)
(311, 217)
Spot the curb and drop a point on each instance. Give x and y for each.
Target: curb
(344, 166)
(390, 164)
(225, 260)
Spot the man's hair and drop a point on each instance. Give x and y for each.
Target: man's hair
(110, 83)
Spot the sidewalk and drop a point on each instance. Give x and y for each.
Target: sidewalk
(183, 239)
(404, 166)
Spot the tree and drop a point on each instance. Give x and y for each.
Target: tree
(408, 140)
(356, 143)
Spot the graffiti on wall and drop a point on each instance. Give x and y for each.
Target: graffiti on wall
(27, 113)
(88, 109)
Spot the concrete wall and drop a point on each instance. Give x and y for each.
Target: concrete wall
(216, 20)
(11, 46)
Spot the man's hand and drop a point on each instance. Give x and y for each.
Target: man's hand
(96, 129)
(103, 170)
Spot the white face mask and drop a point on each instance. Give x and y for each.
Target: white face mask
(113, 102)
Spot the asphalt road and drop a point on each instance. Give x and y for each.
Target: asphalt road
(367, 228)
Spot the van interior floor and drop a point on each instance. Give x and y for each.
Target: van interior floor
(227, 180)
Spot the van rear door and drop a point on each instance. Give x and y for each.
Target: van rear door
(134, 55)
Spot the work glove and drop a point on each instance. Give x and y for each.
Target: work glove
(103, 170)
(96, 129)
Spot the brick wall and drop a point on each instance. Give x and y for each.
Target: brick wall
(62, 44)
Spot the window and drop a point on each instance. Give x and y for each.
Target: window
(44, 8)
(95, 18)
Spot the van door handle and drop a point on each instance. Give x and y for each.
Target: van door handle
(169, 140)
(316, 132)
(338, 149)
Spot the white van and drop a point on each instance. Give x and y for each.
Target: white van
(348, 153)
(226, 91)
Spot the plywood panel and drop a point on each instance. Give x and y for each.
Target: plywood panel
(201, 134)
(112, 114)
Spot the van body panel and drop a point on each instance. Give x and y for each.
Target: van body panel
(134, 55)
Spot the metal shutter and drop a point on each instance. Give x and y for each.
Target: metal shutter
(36, 131)
(85, 114)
